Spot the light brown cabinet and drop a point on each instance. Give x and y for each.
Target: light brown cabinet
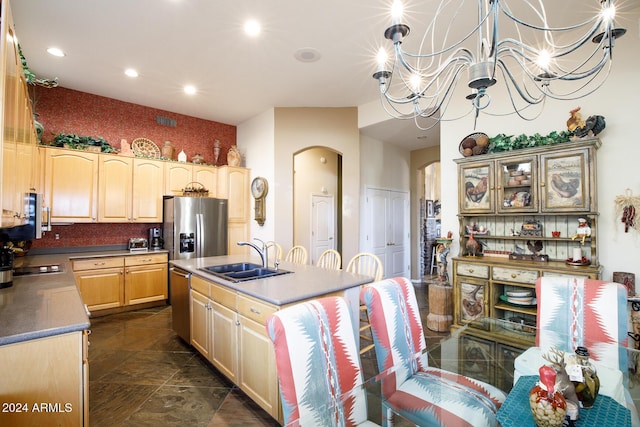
(115, 189)
(17, 132)
(233, 184)
(71, 185)
(511, 203)
(52, 372)
(177, 176)
(148, 176)
(113, 282)
(229, 330)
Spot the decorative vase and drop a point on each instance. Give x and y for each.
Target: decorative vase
(587, 384)
(167, 150)
(216, 151)
(548, 406)
(182, 156)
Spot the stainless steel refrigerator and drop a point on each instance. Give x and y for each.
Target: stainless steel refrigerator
(193, 227)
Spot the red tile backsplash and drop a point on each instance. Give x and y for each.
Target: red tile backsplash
(62, 110)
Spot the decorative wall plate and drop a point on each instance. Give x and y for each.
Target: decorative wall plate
(143, 147)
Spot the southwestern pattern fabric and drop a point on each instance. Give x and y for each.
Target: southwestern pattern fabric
(318, 364)
(576, 312)
(425, 396)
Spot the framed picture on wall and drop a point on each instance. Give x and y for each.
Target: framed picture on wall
(430, 209)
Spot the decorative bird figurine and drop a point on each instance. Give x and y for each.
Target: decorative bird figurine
(474, 247)
(535, 247)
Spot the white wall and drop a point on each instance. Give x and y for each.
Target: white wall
(617, 159)
(255, 138)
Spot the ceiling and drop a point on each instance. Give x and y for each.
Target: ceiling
(172, 43)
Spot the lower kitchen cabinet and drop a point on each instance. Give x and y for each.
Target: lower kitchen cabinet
(228, 329)
(113, 282)
(45, 381)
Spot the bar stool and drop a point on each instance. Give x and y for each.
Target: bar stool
(434, 262)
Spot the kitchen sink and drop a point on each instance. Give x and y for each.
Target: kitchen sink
(243, 271)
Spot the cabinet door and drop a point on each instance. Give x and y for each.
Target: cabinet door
(208, 177)
(233, 184)
(71, 185)
(148, 178)
(224, 355)
(471, 301)
(565, 182)
(200, 323)
(257, 368)
(477, 191)
(237, 232)
(145, 283)
(115, 185)
(176, 177)
(10, 123)
(101, 288)
(516, 185)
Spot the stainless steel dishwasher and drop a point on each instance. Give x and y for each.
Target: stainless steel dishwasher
(179, 283)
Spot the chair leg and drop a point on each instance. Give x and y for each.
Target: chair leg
(387, 416)
(364, 327)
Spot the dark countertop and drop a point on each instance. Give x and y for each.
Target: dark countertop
(48, 304)
(305, 282)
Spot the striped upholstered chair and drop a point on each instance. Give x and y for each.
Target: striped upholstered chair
(423, 395)
(318, 364)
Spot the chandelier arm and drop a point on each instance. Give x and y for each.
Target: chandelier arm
(508, 14)
(567, 97)
(509, 77)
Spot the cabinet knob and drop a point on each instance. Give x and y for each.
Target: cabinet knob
(237, 323)
(470, 270)
(254, 310)
(542, 184)
(99, 263)
(514, 275)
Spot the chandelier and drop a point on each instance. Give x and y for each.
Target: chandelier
(558, 62)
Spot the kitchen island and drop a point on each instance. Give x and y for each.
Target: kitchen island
(227, 319)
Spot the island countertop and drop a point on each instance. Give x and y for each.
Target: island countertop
(305, 281)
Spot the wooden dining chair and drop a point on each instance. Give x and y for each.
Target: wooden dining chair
(297, 254)
(367, 264)
(274, 249)
(330, 259)
(319, 371)
(423, 395)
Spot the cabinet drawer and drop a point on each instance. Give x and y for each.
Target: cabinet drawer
(472, 270)
(515, 275)
(223, 296)
(255, 310)
(93, 263)
(145, 259)
(199, 285)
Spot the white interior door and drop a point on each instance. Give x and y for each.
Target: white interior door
(387, 229)
(322, 225)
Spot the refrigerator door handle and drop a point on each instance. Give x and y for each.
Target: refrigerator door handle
(199, 235)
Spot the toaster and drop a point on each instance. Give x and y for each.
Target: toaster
(138, 244)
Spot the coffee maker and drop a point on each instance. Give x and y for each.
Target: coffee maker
(155, 239)
(6, 267)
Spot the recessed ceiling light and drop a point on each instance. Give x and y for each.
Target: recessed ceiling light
(307, 54)
(189, 90)
(252, 28)
(55, 52)
(131, 72)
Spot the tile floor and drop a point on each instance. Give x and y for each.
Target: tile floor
(142, 374)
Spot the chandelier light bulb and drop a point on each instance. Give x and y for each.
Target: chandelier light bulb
(381, 59)
(608, 13)
(544, 59)
(396, 12)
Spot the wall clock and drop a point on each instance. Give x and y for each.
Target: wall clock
(259, 190)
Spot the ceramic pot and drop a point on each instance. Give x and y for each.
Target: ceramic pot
(167, 150)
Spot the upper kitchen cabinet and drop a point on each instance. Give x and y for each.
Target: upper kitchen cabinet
(115, 180)
(71, 185)
(177, 176)
(130, 189)
(233, 184)
(18, 133)
(551, 179)
(148, 178)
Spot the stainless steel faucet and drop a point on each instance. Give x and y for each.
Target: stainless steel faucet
(262, 251)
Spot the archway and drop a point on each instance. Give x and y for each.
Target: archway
(317, 200)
